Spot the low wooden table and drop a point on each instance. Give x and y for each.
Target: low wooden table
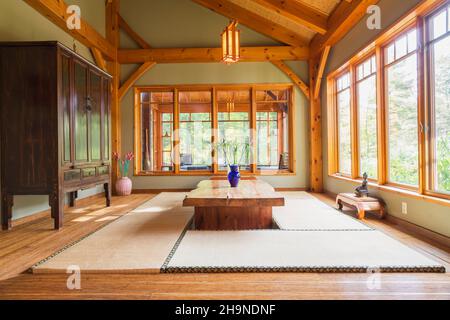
(220, 207)
(361, 204)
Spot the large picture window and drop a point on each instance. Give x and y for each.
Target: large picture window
(389, 109)
(201, 130)
(402, 110)
(366, 88)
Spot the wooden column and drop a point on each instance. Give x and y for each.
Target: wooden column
(112, 35)
(316, 180)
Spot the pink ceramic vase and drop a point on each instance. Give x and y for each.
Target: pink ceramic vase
(123, 186)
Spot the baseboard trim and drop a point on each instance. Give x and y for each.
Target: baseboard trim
(46, 213)
(419, 230)
(411, 228)
(156, 191)
(291, 189)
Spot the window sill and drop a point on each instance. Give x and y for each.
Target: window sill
(210, 174)
(397, 190)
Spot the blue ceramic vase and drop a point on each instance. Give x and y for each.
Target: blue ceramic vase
(234, 176)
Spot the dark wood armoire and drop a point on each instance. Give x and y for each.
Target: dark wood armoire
(55, 125)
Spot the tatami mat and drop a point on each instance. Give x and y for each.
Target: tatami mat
(304, 212)
(298, 251)
(153, 238)
(138, 242)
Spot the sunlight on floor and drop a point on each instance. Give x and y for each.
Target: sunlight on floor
(108, 218)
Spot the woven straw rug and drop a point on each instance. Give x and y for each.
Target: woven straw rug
(313, 237)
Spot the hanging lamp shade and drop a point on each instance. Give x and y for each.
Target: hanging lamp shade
(231, 43)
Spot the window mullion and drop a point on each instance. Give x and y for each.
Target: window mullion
(253, 134)
(215, 132)
(354, 124)
(176, 133)
(421, 106)
(381, 118)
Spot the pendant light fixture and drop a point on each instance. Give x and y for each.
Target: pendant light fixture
(231, 43)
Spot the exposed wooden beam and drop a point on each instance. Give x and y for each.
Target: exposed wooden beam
(98, 57)
(133, 34)
(254, 21)
(56, 11)
(142, 68)
(134, 77)
(341, 21)
(189, 55)
(295, 78)
(113, 36)
(296, 11)
(316, 153)
(320, 71)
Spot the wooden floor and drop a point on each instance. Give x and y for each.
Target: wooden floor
(29, 243)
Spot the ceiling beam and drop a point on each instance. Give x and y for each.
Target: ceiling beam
(136, 75)
(295, 78)
(133, 34)
(341, 21)
(56, 12)
(193, 55)
(254, 21)
(297, 12)
(99, 60)
(321, 70)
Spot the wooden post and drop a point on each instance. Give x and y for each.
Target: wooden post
(112, 35)
(316, 180)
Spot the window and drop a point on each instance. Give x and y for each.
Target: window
(201, 130)
(402, 110)
(389, 108)
(344, 132)
(366, 88)
(272, 127)
(234, 127)
(440, 101)
(195, 130)
(156, 126)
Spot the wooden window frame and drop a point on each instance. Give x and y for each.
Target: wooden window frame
(430, 114)
(416, 18)
(214, 120)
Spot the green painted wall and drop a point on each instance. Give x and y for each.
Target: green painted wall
(428, 215)
(20, 22)
(182, 23)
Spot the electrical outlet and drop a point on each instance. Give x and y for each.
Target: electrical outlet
(404, 208)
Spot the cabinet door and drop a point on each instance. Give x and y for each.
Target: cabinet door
(95, 100)
(66, 110)
(106, 120)
(81, 112)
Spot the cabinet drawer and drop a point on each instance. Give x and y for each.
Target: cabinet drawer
(88, 173)
(72, 175)
(102, 171)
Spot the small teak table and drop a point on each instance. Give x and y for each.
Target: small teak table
(220, 207)
(361, 204)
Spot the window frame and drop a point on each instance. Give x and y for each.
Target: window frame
(417, 18)
(430, 128)
(215, 171)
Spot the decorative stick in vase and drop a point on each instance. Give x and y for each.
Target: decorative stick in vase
(147, 162)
